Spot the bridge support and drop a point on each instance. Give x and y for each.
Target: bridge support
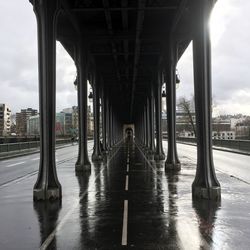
(205, 185)
(82, 163)
(47, 185)
(146, 126)
(97, 155)
(159, 153)
(104, 120)
(151, 124)
(110, 125)
(172, 163)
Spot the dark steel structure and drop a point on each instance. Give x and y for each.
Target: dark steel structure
(126, 49)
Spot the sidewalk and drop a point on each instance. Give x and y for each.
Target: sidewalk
(231, 150)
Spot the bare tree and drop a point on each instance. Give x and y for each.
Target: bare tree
(185, 106)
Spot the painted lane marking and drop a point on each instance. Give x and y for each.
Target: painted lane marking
(127, 167)
(51, 237)
(126, 183)
(6, 161)
(35, 159)
(15, 164)
(125, 224)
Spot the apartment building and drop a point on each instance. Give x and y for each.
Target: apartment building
(5, 121)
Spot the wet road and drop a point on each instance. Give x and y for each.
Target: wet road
(126, 203)
(14, 169)
(236, 165)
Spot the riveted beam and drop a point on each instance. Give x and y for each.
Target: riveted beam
(139, 27)
(110, 31)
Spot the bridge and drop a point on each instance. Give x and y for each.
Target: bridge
(126, 50)
(132, 190)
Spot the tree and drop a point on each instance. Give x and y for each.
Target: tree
(185, 106)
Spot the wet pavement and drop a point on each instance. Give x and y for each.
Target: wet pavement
(128, 202)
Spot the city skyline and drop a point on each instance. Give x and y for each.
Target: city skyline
(19, 73)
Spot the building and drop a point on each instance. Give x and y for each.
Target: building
(223, 135)
(221, 124)
(75, 119)
(90, 122)
(21, 120)
(5, 120)
(62, 126)
(68, 110)
(33, 126)
(66, 120)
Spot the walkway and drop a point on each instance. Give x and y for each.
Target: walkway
(126, 203)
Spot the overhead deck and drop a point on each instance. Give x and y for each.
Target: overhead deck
(126, 41)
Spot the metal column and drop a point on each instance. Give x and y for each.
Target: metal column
(205, 185)
(47, 185)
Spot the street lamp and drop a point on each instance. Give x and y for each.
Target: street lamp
(90, 95)
(177, 77)
(75, 82)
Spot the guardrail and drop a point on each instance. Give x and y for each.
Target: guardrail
(243, 145)
(19, 146)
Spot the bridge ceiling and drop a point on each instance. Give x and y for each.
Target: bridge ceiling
(125, 40)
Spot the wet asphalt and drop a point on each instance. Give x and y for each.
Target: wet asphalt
(126, 202)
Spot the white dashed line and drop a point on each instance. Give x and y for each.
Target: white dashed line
(127, 167)
(15, 164)
(126, 183)
(35, 159)
(125, 224)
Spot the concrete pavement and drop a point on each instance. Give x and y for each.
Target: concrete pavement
(129, 202)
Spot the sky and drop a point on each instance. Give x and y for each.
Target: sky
(230, 35)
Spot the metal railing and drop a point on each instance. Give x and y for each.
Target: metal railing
(243, 145)
(20, 146)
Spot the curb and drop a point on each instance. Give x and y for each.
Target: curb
(29, 152)
(219, 149)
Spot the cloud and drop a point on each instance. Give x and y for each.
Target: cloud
(230, 58)
(230, 24)
(19, 60)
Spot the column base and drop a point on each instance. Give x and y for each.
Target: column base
(159, 165)
(96, 157)
(82, 167)
(172, 167)
(48, 194)
(208, 193)
(105, 151)
(159, 157)
(150, 155)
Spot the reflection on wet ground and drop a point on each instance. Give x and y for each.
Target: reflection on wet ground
(126, 202)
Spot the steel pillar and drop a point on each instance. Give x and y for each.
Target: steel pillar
(107, 123)
(104, 120)
(151, 122)
(159, 153)
(82, 163)
(205, 185)
(110, 126)
(47, 185)
(172, 163)
(148, 124)
(97, 155)
(145, 127)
